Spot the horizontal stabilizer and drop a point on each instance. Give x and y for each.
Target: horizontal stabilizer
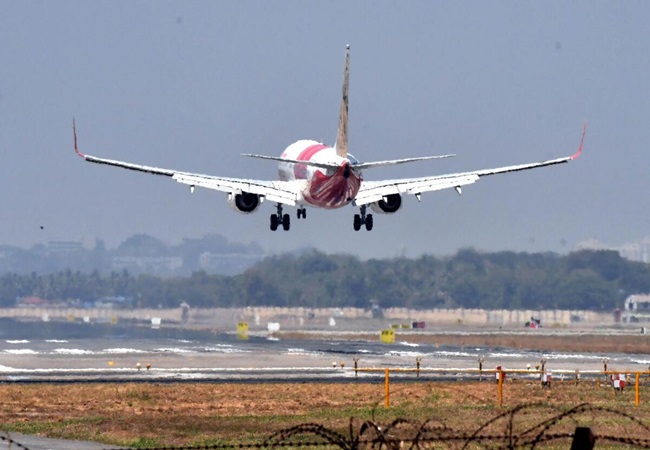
(320, 165)
(394, 162)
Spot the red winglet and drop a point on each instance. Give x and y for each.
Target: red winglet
(74, 131)
(584, 131)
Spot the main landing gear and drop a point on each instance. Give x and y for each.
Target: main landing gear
(363, 219)
(280, 219)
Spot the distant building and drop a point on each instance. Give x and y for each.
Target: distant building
(637, 308)
(33, 301)
(148, 264)
(634, 251)
(58, 247)
(226, 263)
(114, 302)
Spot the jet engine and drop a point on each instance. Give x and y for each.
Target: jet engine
(244, 202)
(388, 205)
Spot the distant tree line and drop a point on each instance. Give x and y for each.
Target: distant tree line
(181, 259)
(593, 280)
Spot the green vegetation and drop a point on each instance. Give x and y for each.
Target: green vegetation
(77, 428)
(594, 280)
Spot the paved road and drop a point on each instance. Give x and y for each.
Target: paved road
(15, 441)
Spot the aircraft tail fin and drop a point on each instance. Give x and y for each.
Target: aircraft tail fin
(342, 134)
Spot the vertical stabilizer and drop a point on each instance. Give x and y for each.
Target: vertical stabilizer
(342, 135)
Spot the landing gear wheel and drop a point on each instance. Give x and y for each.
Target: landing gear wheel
(369, 222)
(286, 222)
(363, 219)
(302, 213)
(357, 222)
(274, 222)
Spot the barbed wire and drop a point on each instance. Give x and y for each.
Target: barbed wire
(499, 432)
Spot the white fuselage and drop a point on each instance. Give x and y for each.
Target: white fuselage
(324, 188)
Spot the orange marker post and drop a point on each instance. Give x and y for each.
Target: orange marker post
(387, 389)
(500, 394)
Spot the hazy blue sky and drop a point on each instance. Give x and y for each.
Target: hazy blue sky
(192, 84)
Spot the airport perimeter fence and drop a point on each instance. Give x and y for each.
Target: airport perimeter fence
(583, 427)
(618, 380)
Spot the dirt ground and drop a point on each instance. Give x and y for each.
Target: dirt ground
(200, 414)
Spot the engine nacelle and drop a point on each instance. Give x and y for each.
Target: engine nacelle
(388, 205)
(245, 202)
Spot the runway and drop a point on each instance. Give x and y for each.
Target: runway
(49, 352)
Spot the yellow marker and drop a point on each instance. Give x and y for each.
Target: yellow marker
(242, 330)
(388, 336)
(110, 363)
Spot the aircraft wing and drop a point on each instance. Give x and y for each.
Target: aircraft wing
(373, 191)
(285, 192)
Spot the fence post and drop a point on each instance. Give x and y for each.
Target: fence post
(638, 375)
(387, 389)
(500, 388)
(583, 439)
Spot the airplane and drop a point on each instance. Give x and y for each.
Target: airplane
(317, 175)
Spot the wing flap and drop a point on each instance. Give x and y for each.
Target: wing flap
(275, 191)
(372, 192)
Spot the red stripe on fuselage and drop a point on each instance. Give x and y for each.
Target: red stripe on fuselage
(300, 170)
